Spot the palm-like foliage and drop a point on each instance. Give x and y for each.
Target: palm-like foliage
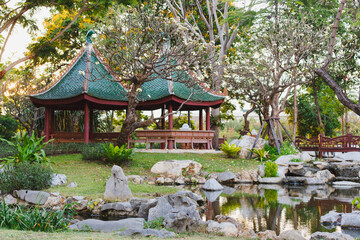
(231, 151)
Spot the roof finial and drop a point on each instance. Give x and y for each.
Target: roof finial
(88, 36)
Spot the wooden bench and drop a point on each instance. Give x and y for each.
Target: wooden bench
(105, 137)
(149, 137)
(345, 143)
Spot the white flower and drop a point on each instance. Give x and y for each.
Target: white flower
(139, 90)
(149, 96)
(81, 72)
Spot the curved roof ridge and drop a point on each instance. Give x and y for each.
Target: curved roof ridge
(61, 75)
(108, 68)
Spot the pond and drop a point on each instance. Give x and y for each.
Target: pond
(278, 208)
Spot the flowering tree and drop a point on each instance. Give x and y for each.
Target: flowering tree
(215, 22)
(275, 57)
(143, 44)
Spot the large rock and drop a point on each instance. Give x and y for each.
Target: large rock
(183, 219)
(285, 160)
(174, 168)
(291, 235)
(162, 208)
(305, 157)
(163, 233)
(212, 185)
(271, 180)
(246, 143)
(345, 170)
(226, 177)
(330, 236)
(108, 226)
(325, 176)
(179, 211)
(222, 218)
(117, 186)
(34, 197)
(226, 228)
(58, 179)
(351, 220)
(119, 209)
(145, 207)
(331, 218)
(296, 169)
(349, 156)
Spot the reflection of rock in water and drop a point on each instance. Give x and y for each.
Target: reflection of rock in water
(213, 209)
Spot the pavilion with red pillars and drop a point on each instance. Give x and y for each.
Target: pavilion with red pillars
(88, 84)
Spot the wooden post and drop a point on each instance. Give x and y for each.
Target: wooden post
(201, 121)
(189, 119)
(86, 124)
(208, 118)
(52, 120)
(256, 139)
(91, 123)
(274, 135)
(163, 124)
(171, 142)
(47, 124)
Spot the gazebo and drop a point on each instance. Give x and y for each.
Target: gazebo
(88, 84)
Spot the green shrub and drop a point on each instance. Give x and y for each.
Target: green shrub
(296, 160)
(92, 152)
(33, 219)
(261, 154)
(286, 149)
(25, 175)
(116, 155)
(271, 169)
(356, 202)
(8, 126)
(158, 223)
(27, 149)
(231, 151)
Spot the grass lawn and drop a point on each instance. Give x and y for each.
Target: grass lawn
(91, 177)
(27, 235)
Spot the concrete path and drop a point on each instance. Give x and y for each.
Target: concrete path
(199, 151)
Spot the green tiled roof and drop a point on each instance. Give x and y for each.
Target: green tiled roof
(100, 84)
(103, 85)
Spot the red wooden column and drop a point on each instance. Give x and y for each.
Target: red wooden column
(208, 118)
(52, 120)
(86, 124)
(47, 124)
(171, 142)
(201, 121)
(91, 123)
(163, 124)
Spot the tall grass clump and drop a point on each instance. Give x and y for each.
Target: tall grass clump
(33, 219)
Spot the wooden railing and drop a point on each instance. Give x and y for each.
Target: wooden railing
(148, 137)
(345, 143)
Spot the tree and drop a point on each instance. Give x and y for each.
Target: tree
(330, 111)
(323, 71)
(213, 22)
(17, 103)
(273, 58)
(21, 14)
(135, 43)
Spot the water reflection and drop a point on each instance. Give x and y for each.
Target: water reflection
(277, 208)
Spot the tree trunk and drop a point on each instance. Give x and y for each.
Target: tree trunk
(295, 114)
(131, 123)
(215, 114)
(246, 128)
(320, 123)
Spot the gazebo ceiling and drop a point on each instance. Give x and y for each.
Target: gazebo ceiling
(88, 80)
